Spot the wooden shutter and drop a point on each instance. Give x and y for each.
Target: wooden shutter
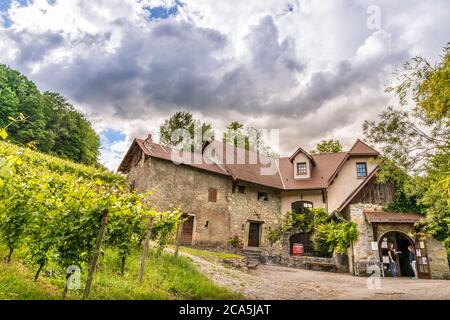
(212, 195)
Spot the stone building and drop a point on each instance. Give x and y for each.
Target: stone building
(226, 191)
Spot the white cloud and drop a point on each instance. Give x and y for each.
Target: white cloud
(310, 68)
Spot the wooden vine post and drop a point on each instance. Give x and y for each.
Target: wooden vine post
(93, 264)
(177, 239)
(145, 252)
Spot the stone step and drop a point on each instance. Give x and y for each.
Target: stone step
(253, 258)
(252, 265)
(252, 253)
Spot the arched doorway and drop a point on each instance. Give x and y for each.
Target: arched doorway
(401, 242)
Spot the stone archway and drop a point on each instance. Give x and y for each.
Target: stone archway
(401, 242)
(305, 239)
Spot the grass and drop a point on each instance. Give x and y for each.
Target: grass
(16, 283)
(211, 256)
(165, 278)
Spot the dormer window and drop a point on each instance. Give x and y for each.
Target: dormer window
(301, 168)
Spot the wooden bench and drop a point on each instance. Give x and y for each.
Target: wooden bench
(310, 264)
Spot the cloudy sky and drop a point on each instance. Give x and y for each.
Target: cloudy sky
(313, 69)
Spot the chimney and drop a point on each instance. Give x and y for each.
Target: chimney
(148, 142)
(149, 138)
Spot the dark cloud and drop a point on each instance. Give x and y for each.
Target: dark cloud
(34, 49)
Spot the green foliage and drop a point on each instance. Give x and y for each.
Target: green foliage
(305, 222)
(328, 236)
(236, 242)
(406, 194)
(249, 138)
(53, 209)
(165, 278)
(427, 85)
(334, 236)
(417, 140)
(51, 122)
(164, 227)
(185, 120)
(327, 146)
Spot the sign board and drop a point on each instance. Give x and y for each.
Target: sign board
(297, 249)
(374, 245)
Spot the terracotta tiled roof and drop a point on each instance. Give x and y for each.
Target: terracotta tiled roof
(360, 148)
(249, 169)
(158, 151)
(391, 217)
(326, 165)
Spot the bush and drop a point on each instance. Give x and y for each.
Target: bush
(305, 222)
(334, 236)
(236, 242)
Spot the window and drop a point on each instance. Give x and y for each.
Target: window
(301, 168)
(361, 169)
(241, 189)
(212, 195)
(263, 196)
(300, 207)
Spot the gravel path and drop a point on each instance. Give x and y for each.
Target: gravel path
(276, 282)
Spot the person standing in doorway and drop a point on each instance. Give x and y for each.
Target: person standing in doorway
(392, 253)
(412, 260)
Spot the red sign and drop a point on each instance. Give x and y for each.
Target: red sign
(297, 249)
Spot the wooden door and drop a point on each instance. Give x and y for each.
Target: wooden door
(422, 261)
(253, 234)
(187, 230)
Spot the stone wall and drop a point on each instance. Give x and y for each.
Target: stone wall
(297, 261)
(289, 197)
(361, 254)
(361, 251)
(245, 208)
(437, 256)
(215, 222)
(280, 253)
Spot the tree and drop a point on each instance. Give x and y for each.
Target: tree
(416, 139)
(327, 146)
(185, 120)
(52, 124)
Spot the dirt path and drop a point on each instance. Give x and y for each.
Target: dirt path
(276, 282)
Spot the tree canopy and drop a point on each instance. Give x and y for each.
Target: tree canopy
(327, 146)
(51, 123)
(185, 120)
(250, 138)
(415, 140)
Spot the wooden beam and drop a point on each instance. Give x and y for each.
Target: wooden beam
(375, 231)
